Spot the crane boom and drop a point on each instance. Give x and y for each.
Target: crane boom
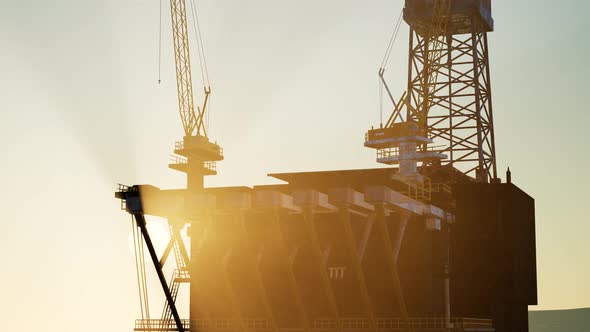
(435, 32)
(405, 141)
(192, 123)
(195, 155)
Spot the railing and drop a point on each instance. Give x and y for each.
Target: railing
(319, 324)
(179, 145)
(218, 324)
(159, 325)
(210, 165)
(402, 324)
(395, 151)
(215, 324)
(421, 191)
(441, 188)
(178, 160)
(122, 188)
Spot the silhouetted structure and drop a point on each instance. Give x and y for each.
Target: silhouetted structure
(444, 246)
(339, 251)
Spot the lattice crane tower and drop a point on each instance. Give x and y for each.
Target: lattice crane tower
(448, 99)
(195, 154)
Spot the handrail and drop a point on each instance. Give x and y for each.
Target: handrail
(442, 188)
(210, 165)
(319, 324)
(178, 160)
(179, 145)
(395, 151)
(170, 325)
(400, 323)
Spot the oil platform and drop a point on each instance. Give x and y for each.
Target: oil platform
(436, 242)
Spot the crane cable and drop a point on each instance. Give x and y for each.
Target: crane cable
(385, 61)
(380, 103)
(198, 38)
(200, 46)
(392, 40)
(202, 58)
(140, 270)
(160, 47)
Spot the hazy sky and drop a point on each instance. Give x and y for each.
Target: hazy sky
(295, 88)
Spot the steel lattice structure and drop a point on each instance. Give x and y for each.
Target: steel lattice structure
(449, 92)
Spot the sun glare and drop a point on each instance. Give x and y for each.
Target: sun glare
(159, 234)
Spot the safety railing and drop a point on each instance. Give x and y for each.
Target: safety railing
(346, 323)
(473, 323)
(231, 324)
(396, 151)
(210, 165)
(122, 188)
(420, 191)
(179, 145)
(328, 324)
(159, 325)
(178, 160)
(441, 188)
(435, 323)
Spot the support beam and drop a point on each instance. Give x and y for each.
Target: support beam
(308, 219)
(277, 229)
(388, 246)
(256, 258)
(235, 305)
(175, 233)
(353, 253)
(141, 223)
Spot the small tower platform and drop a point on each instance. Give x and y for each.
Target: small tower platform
(402, 143)
(196, 155)
(199, 146)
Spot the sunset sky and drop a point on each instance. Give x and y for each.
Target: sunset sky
(294, 89)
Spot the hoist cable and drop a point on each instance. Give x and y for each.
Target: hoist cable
(160, 47)
(384, 62)
(392, 40)
(137, 269)
(140, 269)
(145, 290)
(380, 102)
(201, 43)
(200, 49)
(208, 114)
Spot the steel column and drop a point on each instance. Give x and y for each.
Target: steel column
(141, 223)
(356, 259)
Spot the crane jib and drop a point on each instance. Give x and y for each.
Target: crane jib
(193, 122)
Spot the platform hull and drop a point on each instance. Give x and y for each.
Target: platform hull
(493, 254)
